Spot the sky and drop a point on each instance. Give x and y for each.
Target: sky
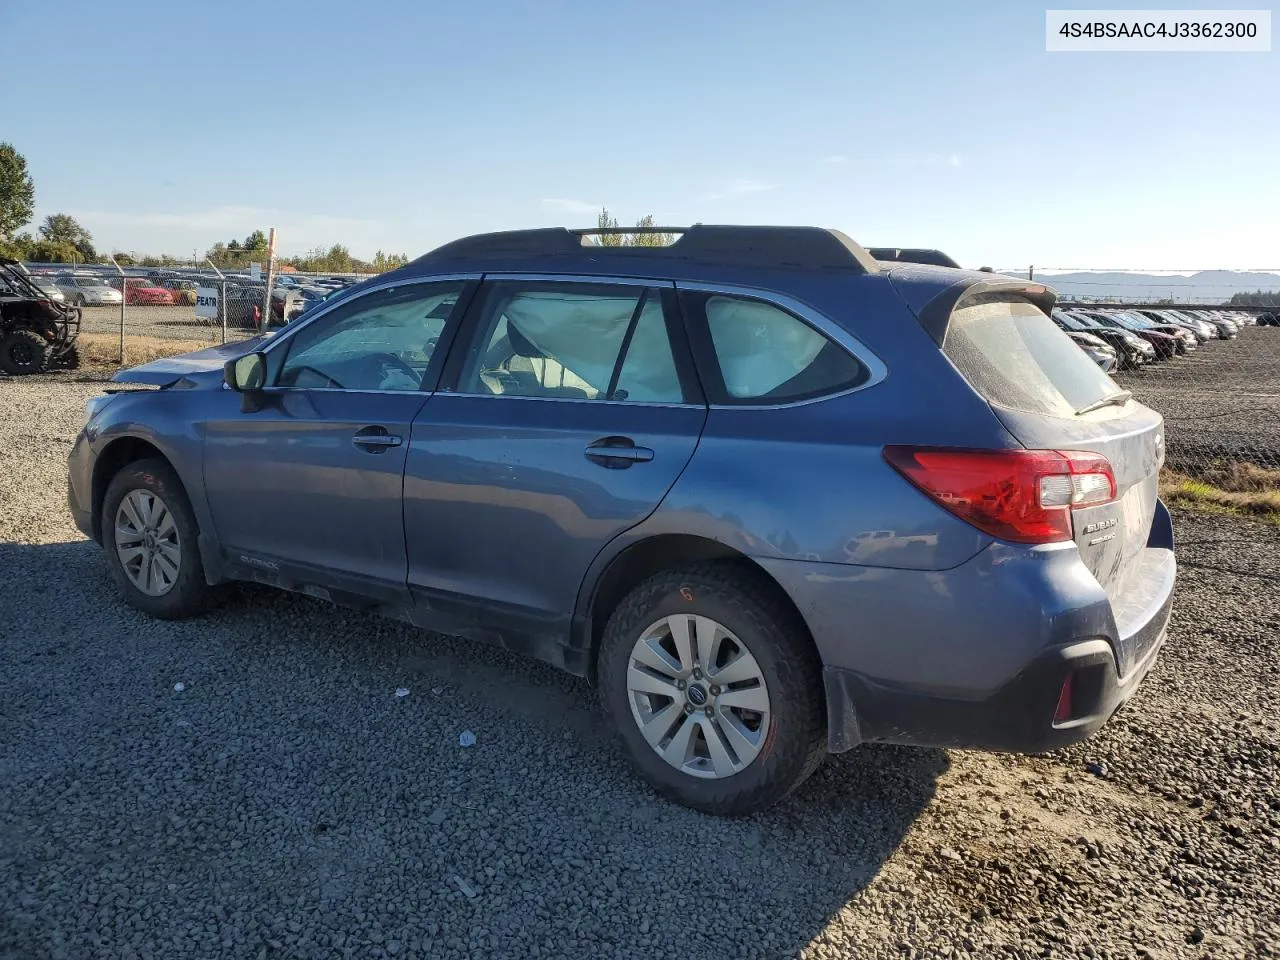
(165, 126)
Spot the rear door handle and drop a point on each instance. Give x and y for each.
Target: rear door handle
(375, 439)
(617, 453)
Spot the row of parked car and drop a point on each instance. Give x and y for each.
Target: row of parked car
(291, 295)
(1127, 339)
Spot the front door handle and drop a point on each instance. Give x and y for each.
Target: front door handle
(376, 440)
(617, 453)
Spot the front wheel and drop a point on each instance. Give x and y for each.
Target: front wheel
(716, 689)
(23, 352)
(149, 533)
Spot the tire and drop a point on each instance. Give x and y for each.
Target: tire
(187, 594)
(790, 737)
(70, 359)
(23, 352)
(79, 300)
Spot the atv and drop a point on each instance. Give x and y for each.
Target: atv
(36, 333)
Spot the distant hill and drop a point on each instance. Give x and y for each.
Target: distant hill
(1206, 286)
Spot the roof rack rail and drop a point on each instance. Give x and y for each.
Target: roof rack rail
(934, 258)
(807, 247)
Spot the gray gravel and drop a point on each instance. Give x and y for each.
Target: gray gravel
(166, 322)
(286, 803)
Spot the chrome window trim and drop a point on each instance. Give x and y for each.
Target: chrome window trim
(610, 403)
(876, 370)
(382, 393)
(289, 331)
(578, 278)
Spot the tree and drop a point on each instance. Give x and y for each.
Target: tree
(255, 242)
(54, 251)
(17, 191)
(383, 262)
(17, 248)
(650, 239)
(605, 221)
(1258, 298)
(122, 258)
(63, 228)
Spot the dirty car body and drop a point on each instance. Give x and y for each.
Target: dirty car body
(952, 507)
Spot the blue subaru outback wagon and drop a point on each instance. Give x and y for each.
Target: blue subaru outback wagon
(775, 497)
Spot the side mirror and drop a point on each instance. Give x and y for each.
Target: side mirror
(246, 374)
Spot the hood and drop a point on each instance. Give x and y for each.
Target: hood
(1080, 336)
(197, 368)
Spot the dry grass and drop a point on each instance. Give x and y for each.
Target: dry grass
(1241, 488)
(103, 349)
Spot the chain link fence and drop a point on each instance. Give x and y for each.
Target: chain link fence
(133, 314)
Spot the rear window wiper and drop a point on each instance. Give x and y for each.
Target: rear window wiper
(1116, 399)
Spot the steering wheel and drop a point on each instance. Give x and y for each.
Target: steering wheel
(391, 360)
(319, 373)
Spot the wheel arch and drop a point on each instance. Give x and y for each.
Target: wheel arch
(636, 562)
(113, 458)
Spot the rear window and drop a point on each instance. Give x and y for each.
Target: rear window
(1015, 357)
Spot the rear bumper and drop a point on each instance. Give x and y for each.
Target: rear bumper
(1018, 718)
(976, 656)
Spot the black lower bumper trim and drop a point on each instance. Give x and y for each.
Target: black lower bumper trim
(1018, 718)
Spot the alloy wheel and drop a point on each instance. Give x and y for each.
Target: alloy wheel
(148, 543)
(698, 696)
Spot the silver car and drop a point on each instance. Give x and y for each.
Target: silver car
(49, 289)
(85, 291)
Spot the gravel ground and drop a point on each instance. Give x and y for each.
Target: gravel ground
(170, 323)
(284, 802)
(1220, 403)
(166, 323)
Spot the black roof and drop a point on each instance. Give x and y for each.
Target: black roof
(749, 246)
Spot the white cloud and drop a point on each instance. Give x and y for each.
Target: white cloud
(835, 158)
(955, 160)
(571, 206)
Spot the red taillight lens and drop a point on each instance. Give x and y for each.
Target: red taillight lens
(1021, 495)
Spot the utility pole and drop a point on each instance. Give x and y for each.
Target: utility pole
(271, 273)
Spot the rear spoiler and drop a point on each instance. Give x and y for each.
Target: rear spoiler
(968, 290)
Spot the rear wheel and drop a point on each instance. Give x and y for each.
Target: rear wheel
(716, 689)
(149, 533)
(24, 351)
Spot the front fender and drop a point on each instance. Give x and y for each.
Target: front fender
(170, 421)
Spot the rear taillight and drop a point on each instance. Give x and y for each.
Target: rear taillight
(1021, 495)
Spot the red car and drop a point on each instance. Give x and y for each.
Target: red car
(142, 290)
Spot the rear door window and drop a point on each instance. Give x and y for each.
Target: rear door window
(573, 341)
(1015, 357)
